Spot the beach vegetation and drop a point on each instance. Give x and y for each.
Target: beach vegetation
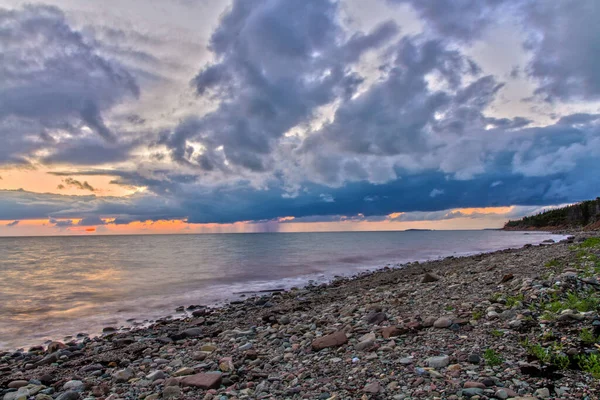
(582, 302)
(587, 336)
(553, 263)
(497, 333)
(492, 358)
(548, 355)
(512, 301)
(590, 363)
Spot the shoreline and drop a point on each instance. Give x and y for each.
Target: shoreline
(386, 316)
(181, 311)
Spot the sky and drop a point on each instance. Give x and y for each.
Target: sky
(205, 116)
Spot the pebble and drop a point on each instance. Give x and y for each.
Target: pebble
(17, 384)
(74, 385)
(438, 362)
(245, 347)
(156, 375)
(69, 395)
(373, 387)
(171, 391)
(123, 375)
(360, 338)
(542, 393)
(442, 322)
(472, 392)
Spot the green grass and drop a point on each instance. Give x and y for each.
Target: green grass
(590, 363)
(590, 243)
(548, 336)
(575, 301)
(548, 355)
(587, 336)
(497, 333)
(492, 358)
(562, 361)
(495, 297)
(553, 263)
(538, 351)
(477, 315)
(512, 301)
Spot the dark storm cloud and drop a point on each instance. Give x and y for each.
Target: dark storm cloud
(562, 37)
(52, 79)
(391, 116)
(277, 62)
(61, 223)
(14, 223)
(90, 151)
(565, 44)
(537, 166)
(91, 221)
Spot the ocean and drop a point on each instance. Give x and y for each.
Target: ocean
(52, 287)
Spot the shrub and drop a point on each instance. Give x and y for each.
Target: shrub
(590, 363)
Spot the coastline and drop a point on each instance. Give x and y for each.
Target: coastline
(386, 316)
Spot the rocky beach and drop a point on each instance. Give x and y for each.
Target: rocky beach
(518, 323)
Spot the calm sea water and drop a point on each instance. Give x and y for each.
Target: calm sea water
(51, 287)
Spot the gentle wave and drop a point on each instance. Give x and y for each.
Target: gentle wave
(52, 287)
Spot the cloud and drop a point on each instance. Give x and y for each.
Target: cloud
(464, 20)
(61, 223)
(564, 44)
(436, 192)
(296, 113)
(91, 221)
(277, 62)
(14, 223)
(53, 82)
(76, 184)
(327, 198)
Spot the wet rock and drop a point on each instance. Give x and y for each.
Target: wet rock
(55, 346)
(49, 359)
